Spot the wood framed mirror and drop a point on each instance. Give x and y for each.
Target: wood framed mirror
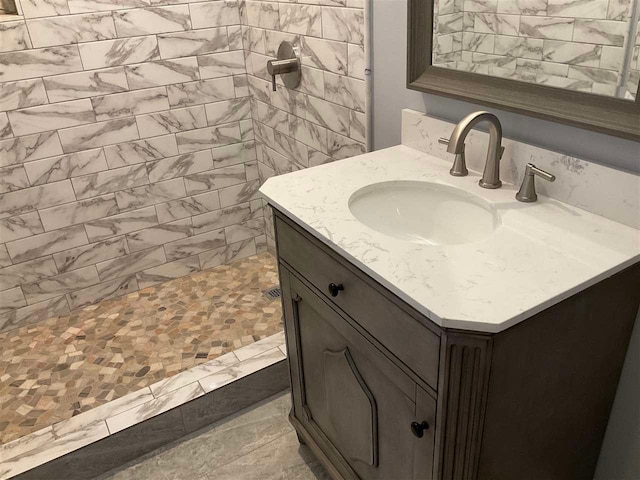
(571, 104)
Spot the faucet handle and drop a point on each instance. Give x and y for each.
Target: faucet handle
(527, 192)
(459, 168)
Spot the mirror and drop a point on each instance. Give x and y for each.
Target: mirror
(573, 61)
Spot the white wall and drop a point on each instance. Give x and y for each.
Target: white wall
(619, 459)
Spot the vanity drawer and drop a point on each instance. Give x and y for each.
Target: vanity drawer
(363, 299)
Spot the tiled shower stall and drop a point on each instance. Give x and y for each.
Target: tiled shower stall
(134, 135)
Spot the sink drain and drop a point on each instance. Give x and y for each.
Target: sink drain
(273, 293)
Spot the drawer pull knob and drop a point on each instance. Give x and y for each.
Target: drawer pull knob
(418, 428)
(334, 289)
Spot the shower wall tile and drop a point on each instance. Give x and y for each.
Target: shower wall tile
(22, 94)
(13, 178)
(14, 36)
(98, 134)
(20, 226)
(53, 169)
(123, 223)
(162, 72)
(40, 119)
(52, 31)
(110, 53)
(91, 254)
(140, 151)
(39, 62)
(46, 243)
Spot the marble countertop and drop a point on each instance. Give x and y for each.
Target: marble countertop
(542, 253)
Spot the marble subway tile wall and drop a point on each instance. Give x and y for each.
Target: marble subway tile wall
(324, 118)
(574, 44)
(127, 152)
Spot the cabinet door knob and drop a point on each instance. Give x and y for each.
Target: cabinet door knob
(334, 289)
(418, 428)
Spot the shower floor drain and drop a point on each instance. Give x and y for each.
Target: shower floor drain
(273, 293)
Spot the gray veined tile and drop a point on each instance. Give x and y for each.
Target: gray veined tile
(228, 111)
(14, 275)
(329, 115)
(140, 151)
(147, 21)
(59, 115)
(261, 346)
(102, 291)
(555, 28)
(221, 64)
(22, 94)
(355, 61)
(479, 42)
(340, 147)
(235, 37)
(60, 284)
(523, 7)
(98, 134)
(130, 264)
(110, 181)
(312, 81)
(301, 19)
(104, 228)
(501, 24)
(14, 36)
(194, 42)
(171, 121)
(294, 150)
(86, 84)
(241, 85)
(227, 254)
(245, 230)
(180, 166)
(44, 8)
(159, 235)
(327, 54)
(203, 91)
(234, 154)
(83, 6)
(47, 32)
(596, 75)
(29, 315)
(611, 58)
(246, 130)
(215, 179)
(209, 137)
(221, 218)
(151, 194)
(130, 103)
(309, 133)
(572, 53)
(162, 72)
(154, 407)
(518, 47)
(260, 89)
(263, 14)
(78, 212)
(273, 117)
(125, 51)
(12, 299)
(358, 126)
(30, 199)
(195, 244)
(39, 62)
(14, 178)
(186, 207)
(317, 158)
(619, 10)
(214, 14)
(603, 32)
(46, 243)
(164, 273)
(20, 226)
(582, 9)
(5, 259)
(91, 254)
(343, 24)
(58, 168)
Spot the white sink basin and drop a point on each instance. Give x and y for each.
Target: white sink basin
(424, 212)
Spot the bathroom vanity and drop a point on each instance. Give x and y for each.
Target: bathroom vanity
(487, 352)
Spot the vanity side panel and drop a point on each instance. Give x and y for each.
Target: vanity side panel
(553, 382)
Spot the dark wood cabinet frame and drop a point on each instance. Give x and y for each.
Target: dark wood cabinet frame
(609, 115)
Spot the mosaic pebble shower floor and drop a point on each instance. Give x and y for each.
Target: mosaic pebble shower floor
(66, 365)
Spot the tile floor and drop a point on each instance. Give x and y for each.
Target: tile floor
(56, 369)
(256, 444)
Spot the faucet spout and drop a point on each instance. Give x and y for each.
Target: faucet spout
(491, 174)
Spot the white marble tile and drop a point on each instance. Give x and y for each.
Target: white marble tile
(228, 253)
(358, 126)
(555, 28)
(572, 53)
(29, 199)
(44, 8)
(602, 32)
(582, 9)
(242, 369)
(309, 133)
(235, 194)
(221, 64)
(524, 7)
(14, 36)
(500, 24)
(82, 6)
(20, 226)
(110, 181)
(152, 194)
(148, 21)
(91, 254)
(42, 118)
(260, 346)
(86, 84)
(15, 275)
(180, 165)
(62, 167)
(201, 138)
(13, 178)
(171, 121)
(125, 51)
(221, 218)
(343, 24)
(78, 212)
(355, 61)
(339, 146)
(46, 32)
(98, 134)
(244, 231)
(300, 19)
(107, 227)
(130, 264)
(162, 72)
(190, 246)
(194, 374)
(215, 179)
(46, 243)
(22, 94)
(195, 42)
(228, 111)
(186, 207)
(327, 114)
(214, 14)
(140, 151)
(159, 235)
(203, 91)
(102, 291)
(263, 14)
(168, 271)
(39, 62)
(130, 103)
(518, 47)
(58, 285)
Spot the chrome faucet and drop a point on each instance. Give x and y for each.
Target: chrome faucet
(491, 174)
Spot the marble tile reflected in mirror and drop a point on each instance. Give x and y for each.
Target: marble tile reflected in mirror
(590, 46)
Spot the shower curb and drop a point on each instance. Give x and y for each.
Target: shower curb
(99, 440)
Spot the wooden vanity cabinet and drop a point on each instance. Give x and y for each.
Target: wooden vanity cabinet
(380, 392)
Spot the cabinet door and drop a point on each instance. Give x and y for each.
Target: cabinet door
(349, 396)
